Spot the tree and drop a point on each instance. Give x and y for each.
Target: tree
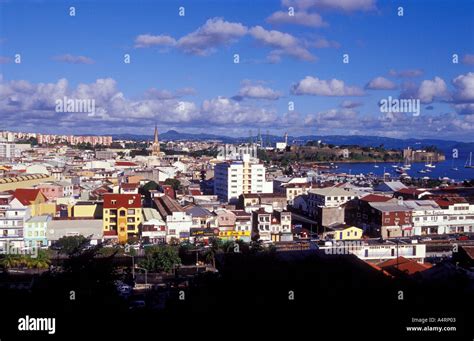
(70, 245)
(161, 258)
(41, 261)
(173, 183)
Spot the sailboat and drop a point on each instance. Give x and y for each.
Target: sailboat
(376, 165)
(470, 165)
(407, 165)
(452, 166)
(430, 165)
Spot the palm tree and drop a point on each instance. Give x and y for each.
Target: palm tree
(42, 260)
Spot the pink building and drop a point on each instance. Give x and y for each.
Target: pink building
(51, 191)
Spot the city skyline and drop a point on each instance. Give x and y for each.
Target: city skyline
(182, 74)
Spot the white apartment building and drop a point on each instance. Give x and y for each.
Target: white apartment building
(430, 218)
(8, 150)
(376, 253)
(12, 218)
(231, 179)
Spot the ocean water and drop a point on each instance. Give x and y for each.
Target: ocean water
(443, 169)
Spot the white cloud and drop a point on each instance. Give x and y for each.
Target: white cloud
(148, 40)
(299, 18)
(284, 43)
(464, 85)
(430, 90)
(71, 59)
(405, 73)
(318, 87)
(213, 33)
(259, 92)
(380, 83)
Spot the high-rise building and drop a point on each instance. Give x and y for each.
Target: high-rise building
(233, 178)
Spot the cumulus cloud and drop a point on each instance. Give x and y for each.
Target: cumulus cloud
(284, 43)
(148, 40)
(318, 87)
(406, 73)
(432, 89)
(257, 91)
(302, 18)
(71, 59)
(464, 85)
(337, 5)
(380, 83)
(223, 111)
(25, 103)
(213, 33)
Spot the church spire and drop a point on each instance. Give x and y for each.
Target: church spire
(155, 147)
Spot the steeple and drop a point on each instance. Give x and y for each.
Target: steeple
(155, 147)
(156, 135)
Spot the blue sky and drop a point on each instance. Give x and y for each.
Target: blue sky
(182, 74)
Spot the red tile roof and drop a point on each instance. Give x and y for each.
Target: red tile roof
(122, 200)
(403, 265)
(27, 195)
(125, 163)
(375, 198)
(129, 186)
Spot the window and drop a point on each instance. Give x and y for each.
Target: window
(131, 211)
(122, 213)
(113, 202)
(130, 227)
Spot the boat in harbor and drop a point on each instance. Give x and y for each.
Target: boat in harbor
(422, 171)
(469, 165)
(430, 164)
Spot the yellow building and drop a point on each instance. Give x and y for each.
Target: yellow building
(122, 216)
(35, 200)
(344, 232)
(86, 209)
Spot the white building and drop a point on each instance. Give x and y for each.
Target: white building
(12, 218)
(430, 218)
(178, 225)
(376, 253)
(232, 179)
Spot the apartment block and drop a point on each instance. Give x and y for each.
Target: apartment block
(122, 216)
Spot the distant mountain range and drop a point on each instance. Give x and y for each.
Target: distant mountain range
(361, 140)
